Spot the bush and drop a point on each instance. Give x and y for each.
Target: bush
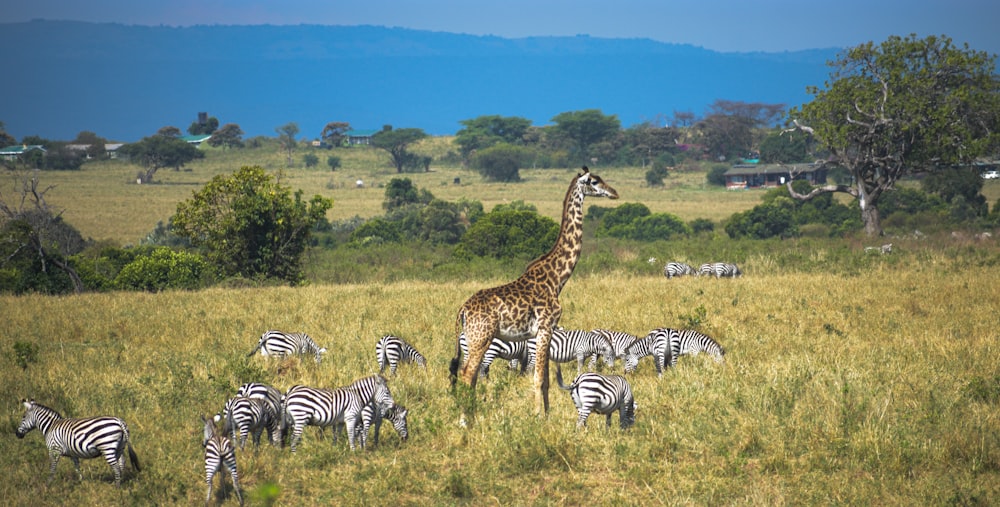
(508, 234)
(772, 219)
(717, 175)
(655, 175)
(377, 230)
(500, 162)
(164, 269)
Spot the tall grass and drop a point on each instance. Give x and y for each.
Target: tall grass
(876, 388)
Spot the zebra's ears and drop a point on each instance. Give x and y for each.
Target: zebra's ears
(217, 418)
(321, 351)
(28, 403)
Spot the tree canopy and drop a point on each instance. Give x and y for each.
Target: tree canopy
(485, 131)
(158, 151)
(250, 225)
(905, 106)
(396, 142)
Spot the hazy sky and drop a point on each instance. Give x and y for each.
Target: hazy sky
(723, 25)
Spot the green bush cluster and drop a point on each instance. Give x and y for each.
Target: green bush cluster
(145, 268)
(635, 221)
(781, 216)
(508, 234)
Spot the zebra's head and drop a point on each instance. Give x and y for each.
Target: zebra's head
(319, 354)
(30, 419)
(398, 415)
(631, 362)
(209, 429)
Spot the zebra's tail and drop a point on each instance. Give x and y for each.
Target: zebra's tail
(559, 379)
(133, 458)
(255, 349)
(457, 360)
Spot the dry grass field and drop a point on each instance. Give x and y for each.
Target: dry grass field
(881, 389)
(869, 380)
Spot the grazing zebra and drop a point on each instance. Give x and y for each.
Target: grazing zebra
(720, 269)
(88, 437)
(277, 343)
(604, 394)
(248, 415)
(272, 397)
(673, 269)
(649, 345)
(688, 341)
(396, 415)
(321, 407)
(511, 351)
(620, 342)
(219, 451)
(566, 345)
(391, 350)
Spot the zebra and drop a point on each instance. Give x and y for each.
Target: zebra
(77, 438)
(604, 394)
(248, 415)
(720, 269)
(369, 416)
(649, 345)
(373, 390)
(321, 407)
(687, 341)
(272, 397)
(277, 343)
(620, 342)
(567, 345)
(673, 269)
(511, 351)
(219, 451)
(392, 350)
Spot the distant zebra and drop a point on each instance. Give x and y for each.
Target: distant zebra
(392, 350)
(604, 394)
(248, 415)
(321, 407)
(219, 451)
(79, 438)
(720, 269)
(370, 416)
(567, 345)
(272, 397)
(277, 343)
(673, 269)
(511, 351)
(620, 342)
(648, 345)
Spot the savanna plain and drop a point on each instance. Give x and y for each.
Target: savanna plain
(860, 379)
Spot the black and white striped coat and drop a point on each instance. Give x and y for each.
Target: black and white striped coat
(308, 406)
(391, 351)
(248, 416)
(374, 390)
(219, 452)
(648, 345)
(502, 349)
(79, 438)
(687, 341)
(280, 344)
(568, 345)
(370, 417)
(272, 397)
(620, 342)
(720, 269)
(603, 394)
(673, 269)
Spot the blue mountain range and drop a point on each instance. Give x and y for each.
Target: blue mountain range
(125, 82)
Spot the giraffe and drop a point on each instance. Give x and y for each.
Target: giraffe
(529, 306)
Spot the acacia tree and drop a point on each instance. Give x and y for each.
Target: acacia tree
(905, 106)
(158, 151)
(333, 132)
(396, 142)
(286, 138)
(250, 225)
(485, 131)
(229, 135)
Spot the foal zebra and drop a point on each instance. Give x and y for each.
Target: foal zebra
(321, 407)
(604, 394)
(566, 345)
(277, 343)
(720, 269)
(511, 351)
(396, 415)
(79, 438)
(392, 350)
(248, 415)
(648, 346)
(272, 397)
(219, 451)
(673, 269)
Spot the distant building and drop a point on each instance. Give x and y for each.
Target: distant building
(743, 176)
(359, 137)
(196, 140)
(15, 152)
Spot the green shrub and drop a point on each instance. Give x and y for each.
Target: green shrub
(508, 234)
(163, 269)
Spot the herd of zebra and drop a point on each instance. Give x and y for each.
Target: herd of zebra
(717, 269)
(362, 405)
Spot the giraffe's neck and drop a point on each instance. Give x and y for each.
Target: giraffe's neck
(555, 267)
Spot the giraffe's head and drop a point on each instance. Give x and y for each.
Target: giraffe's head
(592, 184)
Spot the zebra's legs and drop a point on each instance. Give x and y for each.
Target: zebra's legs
(236, 481)
(582, 422)
(208, 478)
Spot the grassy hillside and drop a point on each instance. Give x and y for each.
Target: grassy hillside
(881, 388)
